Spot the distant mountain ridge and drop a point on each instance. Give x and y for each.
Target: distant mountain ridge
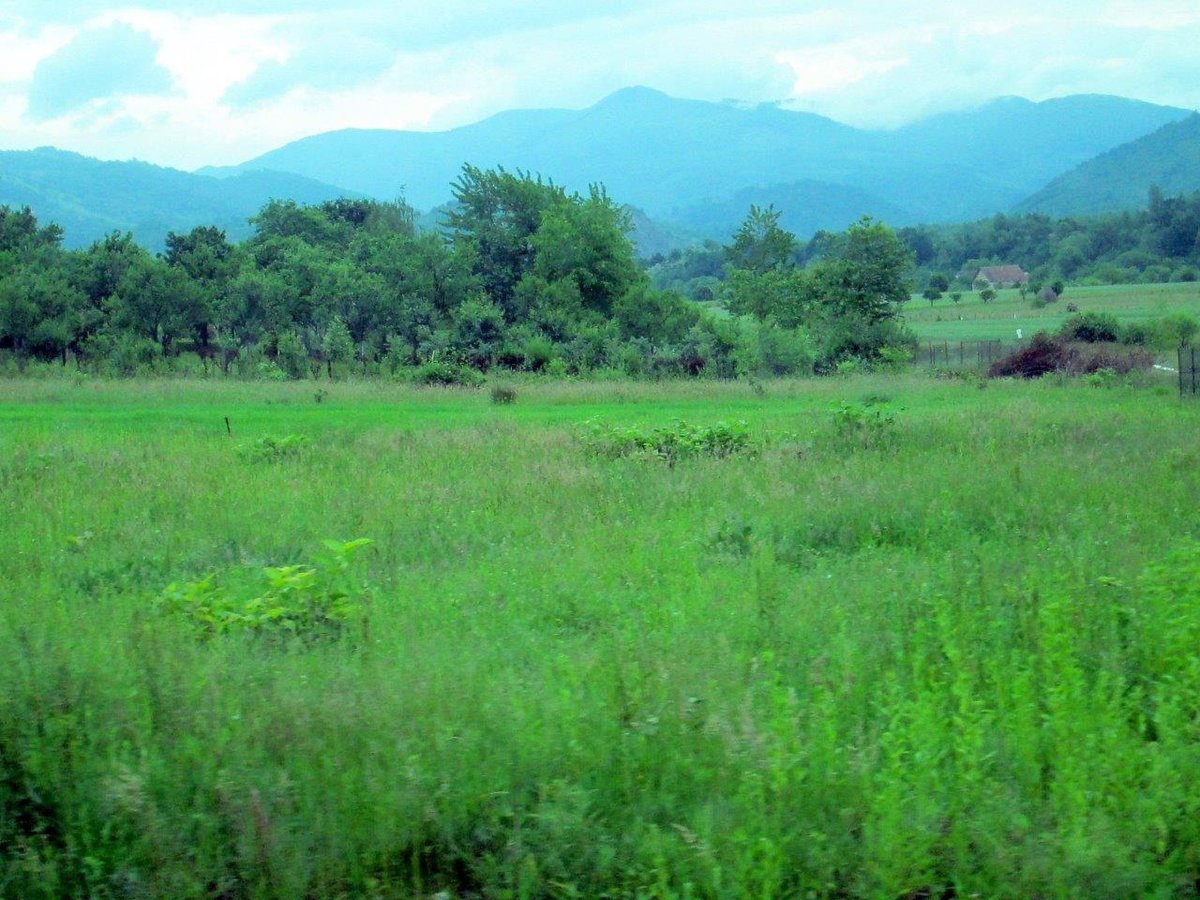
(1120, 179)
(90, 198)
(684, 160)
(688, 169)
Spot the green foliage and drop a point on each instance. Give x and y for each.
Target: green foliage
(760, 245)
(867, 427)
(783, 296)
(306, 602)
(1152, 244)
(1091, 327)
(503, 396)
(672, 443)
(441, 373)
(270, 449)
(337, 345)
(865, 275)
(1179, 329)
(292, 356)
(1101, 378)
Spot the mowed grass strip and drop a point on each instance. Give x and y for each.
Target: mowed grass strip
(950, 651)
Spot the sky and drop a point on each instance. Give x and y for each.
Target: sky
(188, 83)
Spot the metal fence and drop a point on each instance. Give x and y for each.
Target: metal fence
(963, 353)
(1189, 377)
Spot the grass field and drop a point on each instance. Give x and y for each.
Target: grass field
(923, 640)
(973, 320)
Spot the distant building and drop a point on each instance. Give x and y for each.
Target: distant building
(1002, 276)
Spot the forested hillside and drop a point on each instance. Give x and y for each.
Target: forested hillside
(1168, 159)
(89, 198)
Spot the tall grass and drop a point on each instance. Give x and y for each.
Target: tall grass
(961, 659)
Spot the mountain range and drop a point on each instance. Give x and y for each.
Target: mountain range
(90, 198)
(1121, 179)
(689, 168)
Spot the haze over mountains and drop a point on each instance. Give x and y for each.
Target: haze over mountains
(692, 167)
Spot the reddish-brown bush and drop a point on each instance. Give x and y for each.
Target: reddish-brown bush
(1046, 354)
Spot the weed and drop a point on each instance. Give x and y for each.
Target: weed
(871, 428)
(273, 450)
(439, 373)
(504, 396)
(671, 443)
(1101, 378)
(308, 602)
(734, 537)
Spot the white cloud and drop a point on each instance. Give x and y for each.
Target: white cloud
(315, 66)
(99, 64)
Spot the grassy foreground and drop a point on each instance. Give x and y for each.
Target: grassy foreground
(943, 644)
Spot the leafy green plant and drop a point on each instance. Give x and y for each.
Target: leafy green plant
(504, 396)
(273, 450)
(672, 443)
(438, 373)
(308, 602)
(867, 426)
(1101, 378)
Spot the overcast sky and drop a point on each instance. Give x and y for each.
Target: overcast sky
(194, 82)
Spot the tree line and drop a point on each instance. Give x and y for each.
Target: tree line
(522, 275)
(1156, 244)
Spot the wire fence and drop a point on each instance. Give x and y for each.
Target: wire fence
(1189, 377)
(963, 354)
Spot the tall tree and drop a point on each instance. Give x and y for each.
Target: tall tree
(760, 245)
(866, 277)
(497, 214)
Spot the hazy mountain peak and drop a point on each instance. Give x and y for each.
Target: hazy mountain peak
(637, 95)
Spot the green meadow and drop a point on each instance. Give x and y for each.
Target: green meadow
(973, 320)
(891, 637)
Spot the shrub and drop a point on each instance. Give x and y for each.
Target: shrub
(307, 602)
(503, 396)
(291, 355)
(1177, 329)
(866, 426)
(439, 373)
(1091, 328)
(671, 443)
(893, 358)
(1136, 333)
(1044, 354)
(272, 450)
(1101, 378)
(1085, 360)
